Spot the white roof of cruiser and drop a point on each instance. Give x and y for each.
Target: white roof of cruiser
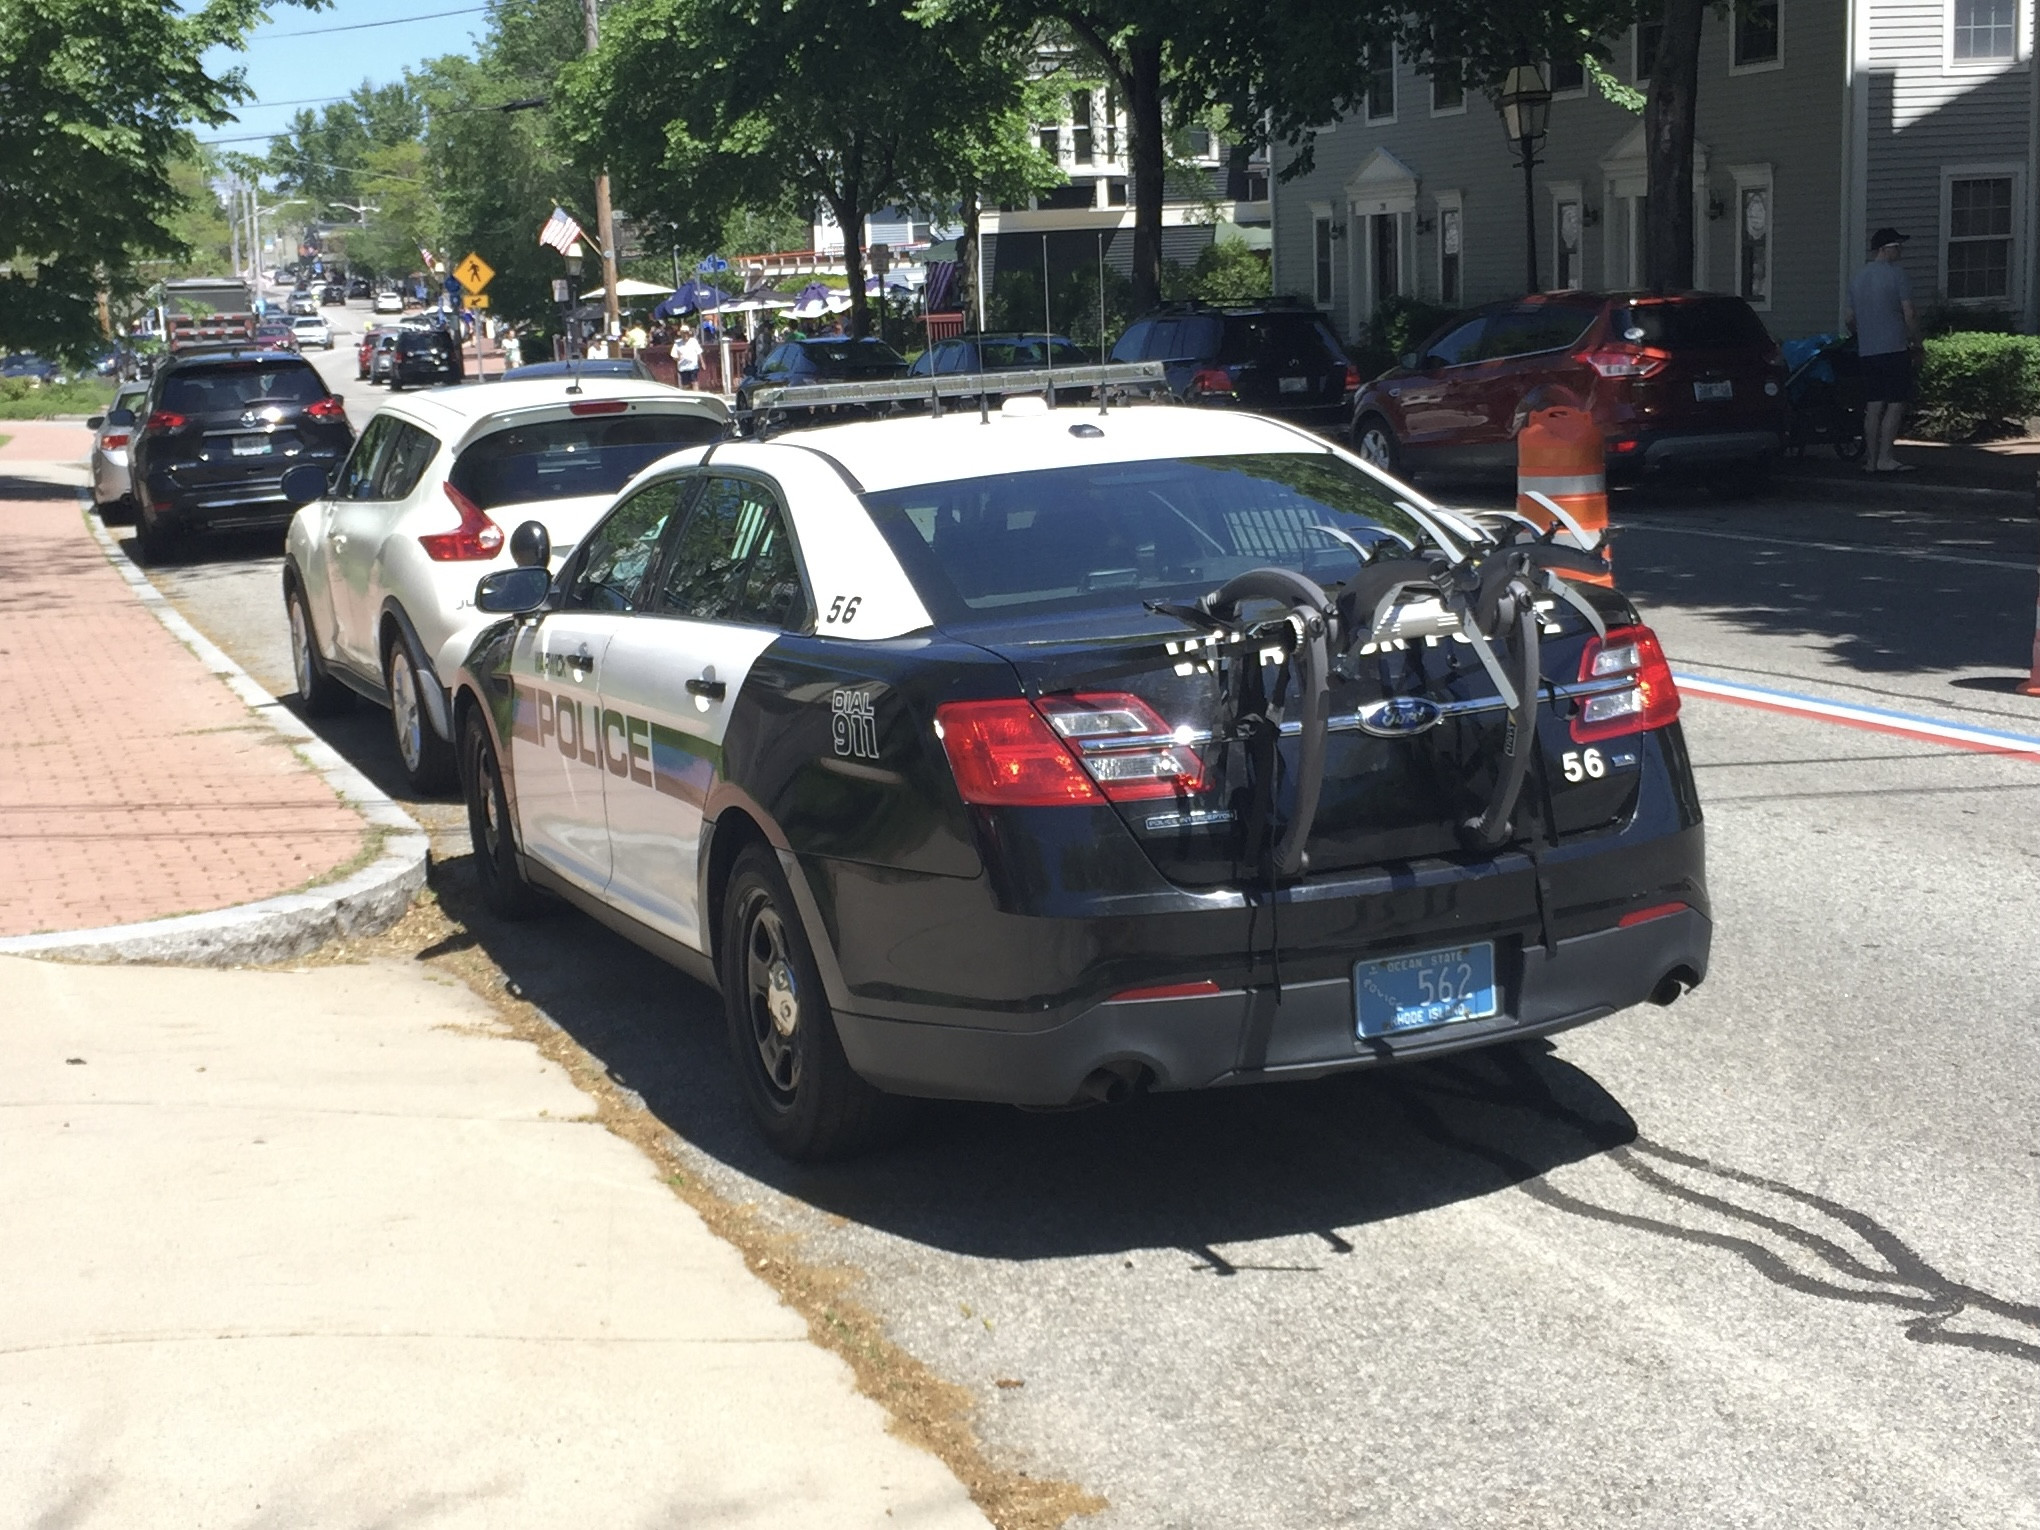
(900, 452)
(451, 411)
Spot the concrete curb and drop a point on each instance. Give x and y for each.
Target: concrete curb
(1906, 490)
(273, 929)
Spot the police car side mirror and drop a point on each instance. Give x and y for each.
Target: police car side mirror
(530, 545)
(304, 483)
(513, 591)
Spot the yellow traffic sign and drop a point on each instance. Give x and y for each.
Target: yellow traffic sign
(474, 300)
(474, 272)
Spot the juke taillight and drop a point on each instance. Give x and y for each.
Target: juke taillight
(1649, 700)
(478, 537)
(1065, 751)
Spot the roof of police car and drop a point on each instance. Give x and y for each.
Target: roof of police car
(898, 453)
(459, 406)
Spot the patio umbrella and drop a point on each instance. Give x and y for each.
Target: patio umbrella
(815, 300)
(693, 297)
(628, 287)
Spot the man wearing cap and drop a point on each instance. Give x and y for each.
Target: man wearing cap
(1887, 334)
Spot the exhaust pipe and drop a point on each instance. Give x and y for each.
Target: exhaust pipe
(1111, 1084)
(1673, 986)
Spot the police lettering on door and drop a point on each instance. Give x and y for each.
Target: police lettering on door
(630, 748)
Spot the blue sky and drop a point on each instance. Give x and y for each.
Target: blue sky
(293, 73)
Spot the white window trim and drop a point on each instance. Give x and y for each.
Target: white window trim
(1754, 178)
(2022, 44)
(1321, 214)
(1448, 111)
(1450, 201)
(2008, 169)
(1769, 64)
(1586, 84)
(1394, 94)
(1562, 192)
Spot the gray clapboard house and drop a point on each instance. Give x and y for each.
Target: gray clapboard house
(1818, 120)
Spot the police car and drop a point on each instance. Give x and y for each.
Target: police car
(1042, 755)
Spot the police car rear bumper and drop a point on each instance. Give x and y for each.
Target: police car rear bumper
(1246, 1036)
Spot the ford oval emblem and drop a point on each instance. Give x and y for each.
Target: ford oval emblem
(1400, 716)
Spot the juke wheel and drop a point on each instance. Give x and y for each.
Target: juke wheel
(319, 694)
(504, 889)
(807, 1099)
(427, 758)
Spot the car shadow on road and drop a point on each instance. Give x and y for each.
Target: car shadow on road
(1194, 1171)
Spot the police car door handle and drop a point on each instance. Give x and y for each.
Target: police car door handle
(714, 690)
(582, 662)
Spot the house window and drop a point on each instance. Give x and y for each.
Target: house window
(1080, 126)
(1198, 142)
(1449, 240)
(1567, 272)
(1753, 208)
(1568, 77)
(1321, 262)
(1111, 127)
(1051, 142)
(1759, 34)
(1381, 87)
(1448, 87)
(1257, 186)
(1648, 35)
(1984, 30)
(1115, 191)
(1980, 238)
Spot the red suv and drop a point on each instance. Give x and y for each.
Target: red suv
(1690, 381)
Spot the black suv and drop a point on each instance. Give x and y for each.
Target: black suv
(423, 357)
(1272, 357)
(218, 432)
(824, 359)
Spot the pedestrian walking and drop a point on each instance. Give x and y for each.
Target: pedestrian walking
(1887, 339)
(687, 357)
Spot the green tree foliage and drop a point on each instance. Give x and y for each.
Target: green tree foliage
(701, 108)
(96, 107)
(325, 158)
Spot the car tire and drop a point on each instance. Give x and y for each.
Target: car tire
(116, 512)
(505, 891)
(319, 694)
(157, 540)
(428, 759)
(1374, 442)
(808, 1101)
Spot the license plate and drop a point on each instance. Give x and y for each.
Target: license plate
(1294, 384)
(251, 446)
(1425, 988)
(1713, 392)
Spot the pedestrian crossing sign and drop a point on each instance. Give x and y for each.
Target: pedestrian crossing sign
(474, 272)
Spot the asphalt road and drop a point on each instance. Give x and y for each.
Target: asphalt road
(1766, 1258)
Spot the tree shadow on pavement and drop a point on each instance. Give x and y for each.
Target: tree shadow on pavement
(1193, 1171)
(12, 486)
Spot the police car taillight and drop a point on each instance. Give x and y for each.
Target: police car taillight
(1649, 700)
(1068, 751)
(1130, 752)
(478, 536)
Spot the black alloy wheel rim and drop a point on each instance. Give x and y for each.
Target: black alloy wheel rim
(772, 999)
(488, 825)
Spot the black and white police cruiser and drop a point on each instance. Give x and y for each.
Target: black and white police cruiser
(1042, 755)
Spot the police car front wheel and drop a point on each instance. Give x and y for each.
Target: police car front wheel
(503, 885)
(809, 1101)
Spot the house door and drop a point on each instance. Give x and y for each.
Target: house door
(1385, 255)
(1634, 207)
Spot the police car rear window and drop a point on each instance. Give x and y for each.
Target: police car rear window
(565, 459)
(1129, 531)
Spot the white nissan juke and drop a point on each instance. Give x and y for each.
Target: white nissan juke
(380, 569)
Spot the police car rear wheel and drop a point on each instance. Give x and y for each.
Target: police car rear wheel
(808, 1100)
(319, 694)
(504, 890)
(427, 758)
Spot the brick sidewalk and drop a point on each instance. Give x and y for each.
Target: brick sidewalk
(133, 785)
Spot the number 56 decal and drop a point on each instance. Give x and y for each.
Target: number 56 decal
(1581, 765)
(845, 611)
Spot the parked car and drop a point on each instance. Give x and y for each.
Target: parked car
(379, 575)
(608, 366)
(424, 358)
(364, 350)
(826, 359)
(112, 488)
(219, 431)
(303, 301)
(389, 302)
(313, 330)
(382, 355)
(1271, 357)
(997, 353)
(276, 335)
(31, 366)
(1688, 381)
(359, 288)
(333, 295)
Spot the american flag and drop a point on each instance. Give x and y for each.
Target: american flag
(560, 231)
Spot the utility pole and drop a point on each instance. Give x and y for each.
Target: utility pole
(605, 221)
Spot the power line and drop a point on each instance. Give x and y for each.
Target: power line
(363, 26)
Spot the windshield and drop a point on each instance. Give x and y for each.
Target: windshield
(564, 459)
(1104, 535)
(235, 388)
(852, 355)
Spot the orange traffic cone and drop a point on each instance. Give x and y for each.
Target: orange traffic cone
(1561, 461)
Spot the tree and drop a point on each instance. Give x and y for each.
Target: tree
(703, 107)
(95, 115)
(1668, 138)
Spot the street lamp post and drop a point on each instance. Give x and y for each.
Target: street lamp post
(1526, 112)
(567, 291)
